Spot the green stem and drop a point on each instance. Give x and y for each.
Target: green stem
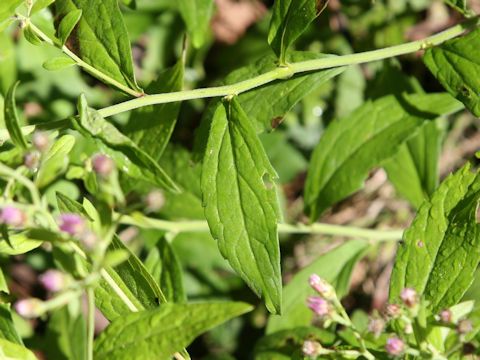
(82, 63)
(90, 322)
(7, 172)
(142, 221)
(290, 70)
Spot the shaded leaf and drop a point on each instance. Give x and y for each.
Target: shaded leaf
(196, 14)
(128, 156)
(456, 63)
(161, 332)
(67, 24)
(336, 267)
(7, 8)
(31, 36)
(438, 255)
(58, 63)
(241, 205)
(68, 205)
(351, 146)
(13, 351)
(11, 118)
(7, 327)
(101, 38)
(460, 5)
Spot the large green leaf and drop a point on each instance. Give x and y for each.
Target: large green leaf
(456, 64)
(159, 333)
(8, 67)
(11, 118)
(129, 157)
(196, 14)
(7, 327)
(335, 266)
(101, 38)
(241, 205)
(439, 253)
(7, 8)
(290, 18)
(14, 351)
(21, 244)
(150, 127)
(351, 146)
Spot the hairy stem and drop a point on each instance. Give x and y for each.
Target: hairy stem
(290, 70)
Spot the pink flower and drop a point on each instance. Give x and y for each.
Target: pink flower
(311, 348)
(29, 308)
(72, 223)
(392, 310)
(102, 165)
(40, 141)
(88, 239)
(409, 297)
(395, 346)
(465, 326)
(376, 326)
(321, 286)
(445, 315)
(12, 216)
(31, 160)
(155, 200)
(53, 280)
(319, 306)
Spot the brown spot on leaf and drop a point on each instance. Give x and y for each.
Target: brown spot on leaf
(276, 121)
(321, 5)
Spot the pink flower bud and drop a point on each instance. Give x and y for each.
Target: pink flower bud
(321, 286)
(88, 239)
(72, 223)
(408, 329)
(464, 326)
(392, 311)
(31, 160)
(445, 316)
(102, 165)
(409, 297)
(53, 280)
(155, 200)
(319, 306)
(29, 308)
(376, 326)
(311, 348)
(40, 141)
(395, 346)
(12, 216)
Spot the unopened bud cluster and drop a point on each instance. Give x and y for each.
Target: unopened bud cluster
(12, 216)
(75, 225)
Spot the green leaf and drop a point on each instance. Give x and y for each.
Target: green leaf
(283, 344)
(58, 63)
(13, 351)
(7, 327)
(196, 14)
(151, 127)
(67, 24)
(159, 333)
(31, 36)
(128, 156)
(290, 18)
(456, 63)
(20, 244)
(163, 264)
(413, 170)
(8, 67)
(67, 205)
(101, 38)
(438, 255)
(67, 331)
(11, 118)
(351, 146)
(335, 267)
(7, 8)
(39, 5)
(241, 205)
(460, 5)
(55, 161)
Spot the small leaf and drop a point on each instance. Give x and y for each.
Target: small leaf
(456, 63)
(7, 327)
(20, 244)
(7, 8)
(151, 127)
(39, 5)
(336, 267)
(290, 18)
(128, 156)
(101, 38)
(55, 161)
(459, 5)
(438, 255)
(67, 205)
(351, 146)
(196, 14)
(67, 24)
(241, 204)
(12, 121)
(159, 333)
(13, 351)
(58, 63)
(30, 35)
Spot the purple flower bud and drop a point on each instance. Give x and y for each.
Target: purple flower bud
(155, 200)
(321, 286)
(311, 348)
(72, 223)
(392, 311)
(464, 326)
(395, 346)
(12, 216)
(102, 165)
(40, 141)
(53, 280)
(319, 305)
(409, 297)
(31, 160)
(29, 308)
(376, 326)
(445, 316)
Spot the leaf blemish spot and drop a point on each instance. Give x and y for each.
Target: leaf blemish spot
(420, 244)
